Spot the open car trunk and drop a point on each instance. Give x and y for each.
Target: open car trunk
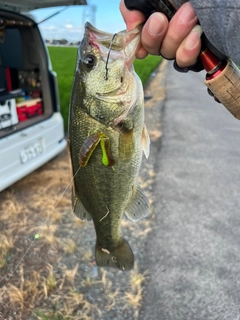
(31, 125)
(27, 93)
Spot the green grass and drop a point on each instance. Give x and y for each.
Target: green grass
(63, 63)
(64, 60)
(145, 67)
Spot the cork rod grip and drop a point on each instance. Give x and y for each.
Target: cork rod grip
(226, 87)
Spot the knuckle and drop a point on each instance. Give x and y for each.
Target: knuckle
(152, 46)
(173, 37)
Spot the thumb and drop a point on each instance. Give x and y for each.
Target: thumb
(132, 18)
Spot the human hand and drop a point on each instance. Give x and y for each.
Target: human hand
(178, 39)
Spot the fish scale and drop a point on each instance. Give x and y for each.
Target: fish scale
(114, 108)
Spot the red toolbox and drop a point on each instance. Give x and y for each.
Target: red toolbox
(29, 108)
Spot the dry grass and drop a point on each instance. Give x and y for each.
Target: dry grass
(134, 295)
(40, 276)
(27, 274)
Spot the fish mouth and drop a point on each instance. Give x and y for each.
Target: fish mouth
(129, 41)
(114, 94)
(118, 92)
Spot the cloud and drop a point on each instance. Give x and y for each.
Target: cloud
(48, 28)
(58, 31)
(68, 26)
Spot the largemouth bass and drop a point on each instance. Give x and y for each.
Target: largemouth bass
(106, 138)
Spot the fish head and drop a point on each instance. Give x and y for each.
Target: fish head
(105, 71)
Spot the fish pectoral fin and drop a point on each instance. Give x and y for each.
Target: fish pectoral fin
(145, 141)
(78, 208)
(138, 206)
(121, 257)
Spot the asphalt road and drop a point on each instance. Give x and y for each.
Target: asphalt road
(193, 254)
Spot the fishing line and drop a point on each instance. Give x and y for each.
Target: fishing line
(45, 222)
(110, 48)
(106, 70)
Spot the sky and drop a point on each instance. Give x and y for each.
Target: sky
(69, 23)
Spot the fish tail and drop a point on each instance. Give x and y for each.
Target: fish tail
(121, 257)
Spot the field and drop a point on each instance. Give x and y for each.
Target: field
(63, 62)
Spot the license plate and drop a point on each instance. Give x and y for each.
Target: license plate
(31, 152)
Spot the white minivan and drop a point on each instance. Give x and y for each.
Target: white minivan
(31, 125)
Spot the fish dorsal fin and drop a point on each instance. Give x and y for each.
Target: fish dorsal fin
(138, 206)
(78, 208)
(145, 141)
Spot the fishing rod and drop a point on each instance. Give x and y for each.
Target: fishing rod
(223, 76)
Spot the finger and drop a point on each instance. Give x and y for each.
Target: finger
(153, 32)
(179, 27)
(132, 18)
(142, 53)
(188, 51)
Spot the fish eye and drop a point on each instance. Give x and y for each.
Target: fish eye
(89, 61)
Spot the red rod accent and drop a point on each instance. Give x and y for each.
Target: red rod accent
(209, 60)
(8, 79)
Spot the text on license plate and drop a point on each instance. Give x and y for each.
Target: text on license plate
(31, 152)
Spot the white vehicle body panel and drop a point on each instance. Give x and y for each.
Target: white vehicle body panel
(47, 133)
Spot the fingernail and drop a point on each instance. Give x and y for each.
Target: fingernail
(186, 14)
(155, 26)
(193, 37)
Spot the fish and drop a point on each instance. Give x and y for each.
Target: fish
(107, 138)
